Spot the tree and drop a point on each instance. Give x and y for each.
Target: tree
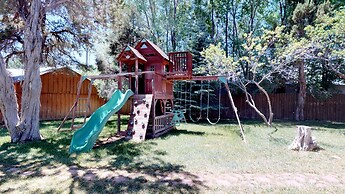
(8, 101)
(302, 16)
(327, 40)
(25, 127)
(309, 46)
(259, 58)
(30, 40)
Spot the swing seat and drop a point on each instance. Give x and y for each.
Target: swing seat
(178, 117)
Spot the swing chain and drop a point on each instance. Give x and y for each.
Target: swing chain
(208, 103)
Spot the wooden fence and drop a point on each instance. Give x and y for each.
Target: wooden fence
(284, 106)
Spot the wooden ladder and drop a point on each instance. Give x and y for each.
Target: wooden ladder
(139, 118)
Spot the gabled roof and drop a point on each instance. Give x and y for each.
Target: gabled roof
(18, 74)
(155, 47)
(135, 52)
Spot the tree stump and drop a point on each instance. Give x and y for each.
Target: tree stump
(303, 140)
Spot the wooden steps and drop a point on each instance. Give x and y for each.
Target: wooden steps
(139, 118)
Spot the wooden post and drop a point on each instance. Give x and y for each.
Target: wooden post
(233, 107)
(136, 77)
(88, 102)
(119, 85)
(119, 79)
(153, 108)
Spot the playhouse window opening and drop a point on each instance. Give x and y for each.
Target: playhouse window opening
(152, 68)
(167, 68)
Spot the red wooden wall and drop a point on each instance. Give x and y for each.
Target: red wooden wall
(59, 91)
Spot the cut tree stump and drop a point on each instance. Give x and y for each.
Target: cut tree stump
(303, 140)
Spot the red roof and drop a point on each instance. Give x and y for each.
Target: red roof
(135, 52)
(155, 47)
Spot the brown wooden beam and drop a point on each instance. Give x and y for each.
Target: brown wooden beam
(114, 76)
(136, 77)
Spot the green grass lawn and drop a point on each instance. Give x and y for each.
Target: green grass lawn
(195, 158)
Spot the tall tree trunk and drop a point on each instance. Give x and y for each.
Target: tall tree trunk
(167, 28)
(173, 29)
(8, 102)
(152, 5)
(302, 94)
(226, 34)
(282, 9)
(30, 106)
(234, 29)
(213, 28)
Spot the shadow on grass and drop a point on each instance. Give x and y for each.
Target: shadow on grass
(138, 182)
(3, 132)
(279, 140)
(178, 132)
(153, 176)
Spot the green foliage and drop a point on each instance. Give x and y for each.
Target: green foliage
(328, 35)
(259, 56)
(216, 61)
(320, 45)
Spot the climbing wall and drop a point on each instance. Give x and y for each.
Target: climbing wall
(140, 115)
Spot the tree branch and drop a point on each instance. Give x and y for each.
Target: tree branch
(54, 4)
(23, 8)
(7, 57)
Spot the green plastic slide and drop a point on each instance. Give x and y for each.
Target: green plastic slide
(84, 138)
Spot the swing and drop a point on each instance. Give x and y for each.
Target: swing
(208, 103)
(179, 112)
(190, 103)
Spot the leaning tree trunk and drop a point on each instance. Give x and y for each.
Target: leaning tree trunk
(302, 94)
(270, 111)
(31, 88)
(303, 140)
(8, 102)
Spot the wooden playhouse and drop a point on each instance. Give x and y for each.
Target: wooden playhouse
(150, 73)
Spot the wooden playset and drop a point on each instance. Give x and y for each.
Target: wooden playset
(150, 74)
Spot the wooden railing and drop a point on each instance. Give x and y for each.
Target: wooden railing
(181, 64)
(163, 122)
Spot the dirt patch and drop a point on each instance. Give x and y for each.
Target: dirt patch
(206, 179)
(297, 180)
